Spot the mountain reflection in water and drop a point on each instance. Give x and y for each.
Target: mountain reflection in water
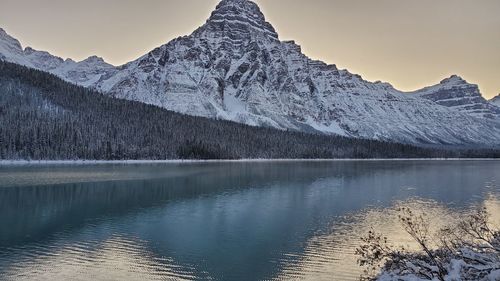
(221, 221)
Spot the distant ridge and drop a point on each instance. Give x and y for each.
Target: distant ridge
(456, 93)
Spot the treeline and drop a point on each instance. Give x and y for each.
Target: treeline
(42, 117)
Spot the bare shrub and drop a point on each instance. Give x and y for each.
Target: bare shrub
(469, 250)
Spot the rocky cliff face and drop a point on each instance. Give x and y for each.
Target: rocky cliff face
(235, 67)
(456, 93)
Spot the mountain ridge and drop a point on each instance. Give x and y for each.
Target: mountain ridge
(234, 67)
(496, 100)
(455, 92)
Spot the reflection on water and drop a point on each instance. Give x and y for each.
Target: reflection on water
(337, 245)
(221, 221)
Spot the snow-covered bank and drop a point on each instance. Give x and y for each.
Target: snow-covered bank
(132, 162)
(457, 269)
(467, 250)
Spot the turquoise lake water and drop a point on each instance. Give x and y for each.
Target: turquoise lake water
(222, 221)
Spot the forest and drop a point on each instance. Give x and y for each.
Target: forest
(45, 118)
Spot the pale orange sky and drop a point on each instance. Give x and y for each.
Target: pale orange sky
(409, 43)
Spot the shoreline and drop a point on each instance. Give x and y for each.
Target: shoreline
(135, 162)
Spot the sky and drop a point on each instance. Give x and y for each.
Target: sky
(408, 43)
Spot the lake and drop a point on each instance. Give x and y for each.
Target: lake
(222, 221)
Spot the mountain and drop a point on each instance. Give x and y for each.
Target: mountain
(496, 100)
(456, 93)
(85, 73)
(44, 117)
(235, 67)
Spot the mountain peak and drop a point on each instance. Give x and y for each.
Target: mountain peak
(95, 62)
(248, 5)
(9, 44)
(241, 6)
(237, 19)
(496, 100)
(93, 59)
(235, 3)
(453, 80)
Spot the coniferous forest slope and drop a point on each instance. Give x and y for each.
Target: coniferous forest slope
(44, 118)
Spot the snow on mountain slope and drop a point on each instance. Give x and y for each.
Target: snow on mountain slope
(496, 100)
(234, 67)
(10, 49)
(455, 92)
(84, 73)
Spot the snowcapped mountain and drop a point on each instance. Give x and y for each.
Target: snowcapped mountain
(456, 93)
(235, 67)
(85, 73)
(496, 100)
